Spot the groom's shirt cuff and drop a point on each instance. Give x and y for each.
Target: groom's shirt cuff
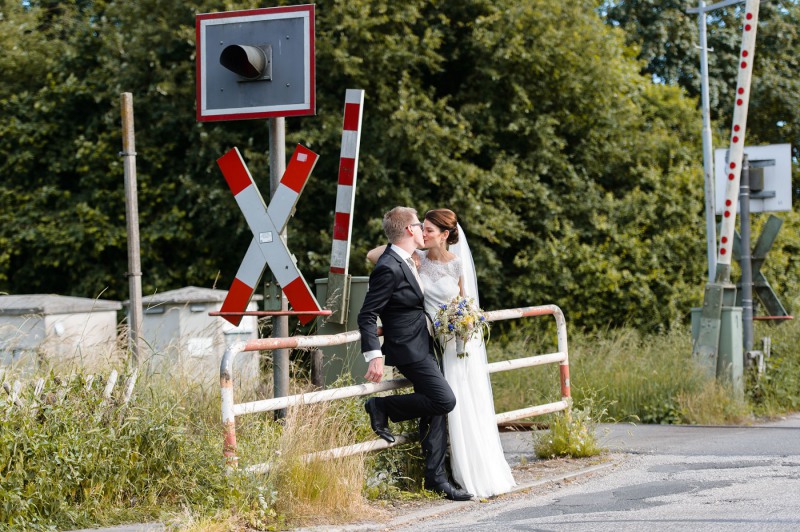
(369, 355)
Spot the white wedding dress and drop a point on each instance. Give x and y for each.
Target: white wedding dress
(476, 455)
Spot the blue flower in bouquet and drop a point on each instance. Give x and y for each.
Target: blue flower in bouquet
(459, 319)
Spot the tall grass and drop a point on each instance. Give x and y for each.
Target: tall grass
(648, 378)
(320, 491)
(76, 461)
(777, 390)
(72, 460)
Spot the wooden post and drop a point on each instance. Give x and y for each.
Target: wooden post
(132, 221)
(317, 379)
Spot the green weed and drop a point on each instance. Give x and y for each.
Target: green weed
(777, 390)
(68, 459)
(572, 433)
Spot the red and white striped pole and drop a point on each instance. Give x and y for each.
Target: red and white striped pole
(736, 150)
(338, 286)
(348, 171)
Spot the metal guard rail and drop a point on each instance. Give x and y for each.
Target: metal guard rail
(230, 409)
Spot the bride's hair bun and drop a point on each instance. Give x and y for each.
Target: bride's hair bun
(445, 220)
(452, 238)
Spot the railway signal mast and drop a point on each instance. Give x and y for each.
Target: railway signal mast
(720, 292)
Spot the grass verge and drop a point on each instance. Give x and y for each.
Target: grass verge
(69, 459)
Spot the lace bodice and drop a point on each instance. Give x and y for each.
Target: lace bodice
(435, 270)
(440, 280)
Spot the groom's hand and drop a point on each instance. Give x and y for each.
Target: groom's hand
(375, 370)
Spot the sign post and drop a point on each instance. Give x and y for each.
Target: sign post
(259, 63)
(132, 217)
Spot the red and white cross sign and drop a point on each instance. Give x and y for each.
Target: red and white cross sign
(266, 223)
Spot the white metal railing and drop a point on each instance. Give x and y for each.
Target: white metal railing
(230, 409)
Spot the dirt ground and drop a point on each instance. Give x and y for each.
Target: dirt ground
(526, 473)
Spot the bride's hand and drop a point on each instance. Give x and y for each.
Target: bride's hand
(374, 254)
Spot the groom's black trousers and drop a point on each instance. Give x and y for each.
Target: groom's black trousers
(431, 400)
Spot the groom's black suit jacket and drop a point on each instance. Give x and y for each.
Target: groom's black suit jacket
(396, 298)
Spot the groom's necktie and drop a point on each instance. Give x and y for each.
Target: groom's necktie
(413, 267)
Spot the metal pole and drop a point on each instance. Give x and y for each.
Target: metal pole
(745, 258)
(708, 149)
(280, 324)
(132, 218)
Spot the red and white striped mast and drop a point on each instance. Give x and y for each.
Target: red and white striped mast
(338, 279)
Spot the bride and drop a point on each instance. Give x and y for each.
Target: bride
(447, 270)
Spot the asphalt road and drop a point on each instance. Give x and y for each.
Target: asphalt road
(669, 478)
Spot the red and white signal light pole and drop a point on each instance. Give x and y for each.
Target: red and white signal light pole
(721, 292)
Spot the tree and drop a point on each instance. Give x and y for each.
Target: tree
(667, 38)
(572, 173)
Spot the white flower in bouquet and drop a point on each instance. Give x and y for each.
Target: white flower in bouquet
(459, 319)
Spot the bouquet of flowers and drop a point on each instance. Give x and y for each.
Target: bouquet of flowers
(459, 318)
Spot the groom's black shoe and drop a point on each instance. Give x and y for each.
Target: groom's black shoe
(451, 492)
(378, 420)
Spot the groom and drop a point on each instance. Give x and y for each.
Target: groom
(395, 296)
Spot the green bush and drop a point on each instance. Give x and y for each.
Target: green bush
(68, 459)
(777, 390)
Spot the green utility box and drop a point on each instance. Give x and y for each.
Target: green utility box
(344, 358)
(730, 353)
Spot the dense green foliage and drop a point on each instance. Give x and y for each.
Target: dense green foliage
(578, 180)
(667, 37)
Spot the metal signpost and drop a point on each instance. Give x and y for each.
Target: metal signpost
(765, 186)
(259, 63)
(708, 162)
